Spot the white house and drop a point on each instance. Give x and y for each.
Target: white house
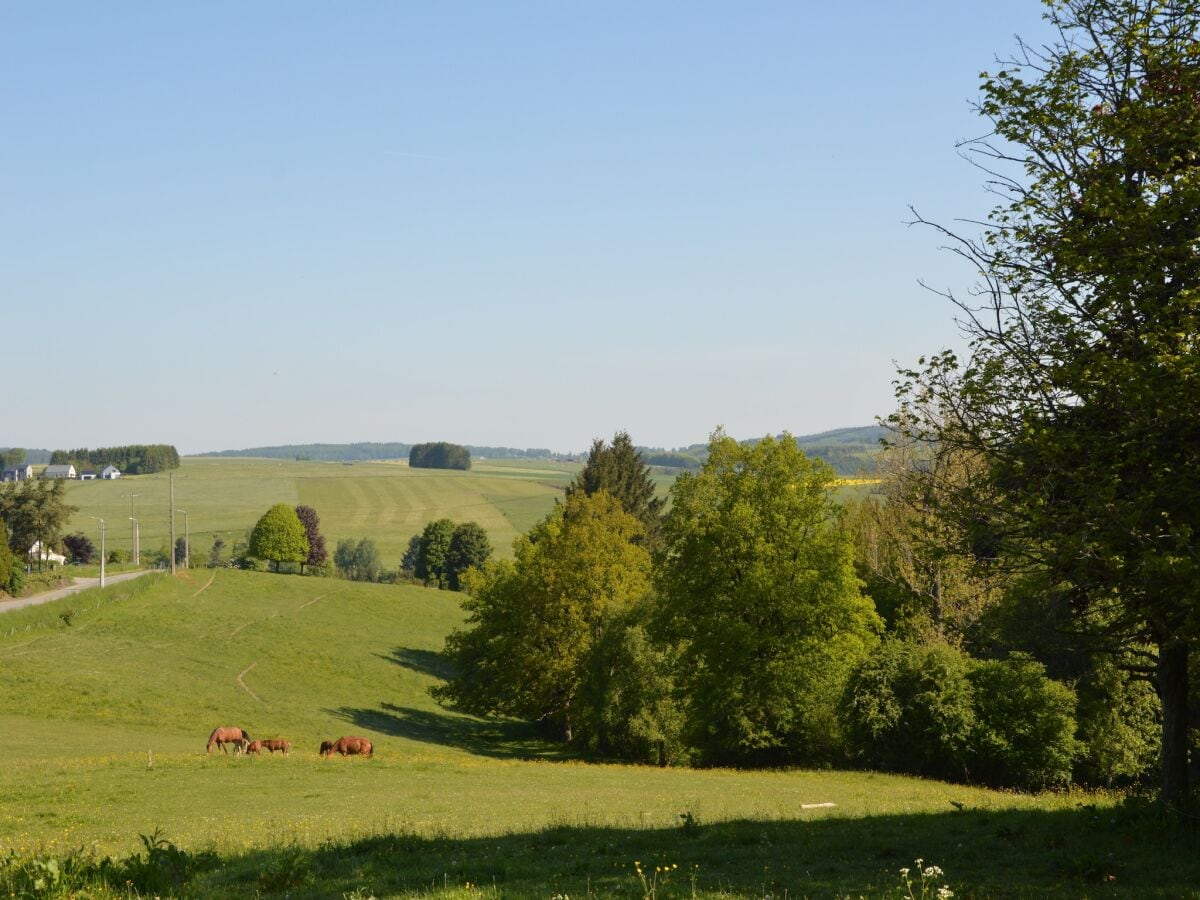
(59, 472)
(17, 473)
(110, 473)
(37, 552)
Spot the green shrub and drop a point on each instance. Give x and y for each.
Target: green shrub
(910, 708)
(934, 711)
(1118, 728)
(1024, 733)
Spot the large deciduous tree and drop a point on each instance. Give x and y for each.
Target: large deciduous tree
(279, 536)
(1082, 380)
(469, 549)
(758, 589)
(534, 622)
(34, 511)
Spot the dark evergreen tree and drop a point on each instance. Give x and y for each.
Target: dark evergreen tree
(618, 469)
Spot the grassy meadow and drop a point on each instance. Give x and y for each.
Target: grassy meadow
(109, 697)
(386, 501)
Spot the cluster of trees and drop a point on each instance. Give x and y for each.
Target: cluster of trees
(30, 512)
(439, 455)
(756, 623)
(133, 459)
(288, 534)
(1032, 562)
(443, 553)
(358, 560)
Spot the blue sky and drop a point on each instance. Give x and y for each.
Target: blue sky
(532, 223)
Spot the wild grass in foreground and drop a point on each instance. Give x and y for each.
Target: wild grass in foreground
(1131, 850)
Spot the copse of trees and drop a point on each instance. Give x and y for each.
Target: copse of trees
(133, 459)
(358, 560)
(439, 455)
(443, 553)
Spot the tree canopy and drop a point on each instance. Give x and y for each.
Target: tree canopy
(534, 621)
(759, 591)
(1079, 389)
(279, 536)
(317, 554)
(34, 511)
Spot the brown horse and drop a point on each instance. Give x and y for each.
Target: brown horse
(273, 745)
(222, 736)
(254, 747)
(348, 746)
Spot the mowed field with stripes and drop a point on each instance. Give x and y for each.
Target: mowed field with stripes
(386, 501)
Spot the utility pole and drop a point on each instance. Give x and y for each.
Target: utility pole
(137, 557)
(101, 521)
(172, 554)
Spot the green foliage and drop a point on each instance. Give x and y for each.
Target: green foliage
(439, 455)
(759, 591)
(533, 623)
(279, 536)
(627, 703)
(932, 710)
(358, 560)
(910, 708)
(619, 470)
(469, 549)
(9, 567)
(1118, 726)
(1024, 725)
(1082, 377)
(33, 511)
(434, 553)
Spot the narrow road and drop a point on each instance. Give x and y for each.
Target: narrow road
(81, 584)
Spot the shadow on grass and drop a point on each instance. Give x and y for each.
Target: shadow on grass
(1066, 853)
(496, 738)
(424, 662)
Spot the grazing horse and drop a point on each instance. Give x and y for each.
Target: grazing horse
(284, 746)
(348, 746)
(222, 736)
(254, 747)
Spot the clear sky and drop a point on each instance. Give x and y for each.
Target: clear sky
(225, 225)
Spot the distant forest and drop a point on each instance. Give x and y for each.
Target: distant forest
(28, 457)
(847, 450)
(132, 459)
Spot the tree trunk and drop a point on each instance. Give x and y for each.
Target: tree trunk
(1173, 692)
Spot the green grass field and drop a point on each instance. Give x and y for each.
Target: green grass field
(386, 501)
(453, 805)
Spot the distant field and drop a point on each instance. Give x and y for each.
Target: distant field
(104, 720)
(386, 501)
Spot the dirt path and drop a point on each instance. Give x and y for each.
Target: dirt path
(80, 584)
(242, 684)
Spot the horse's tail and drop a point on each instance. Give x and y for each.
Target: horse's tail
(370, 749)
(245, 735)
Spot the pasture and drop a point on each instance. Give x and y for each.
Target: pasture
(106, 710)
(386, 501)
